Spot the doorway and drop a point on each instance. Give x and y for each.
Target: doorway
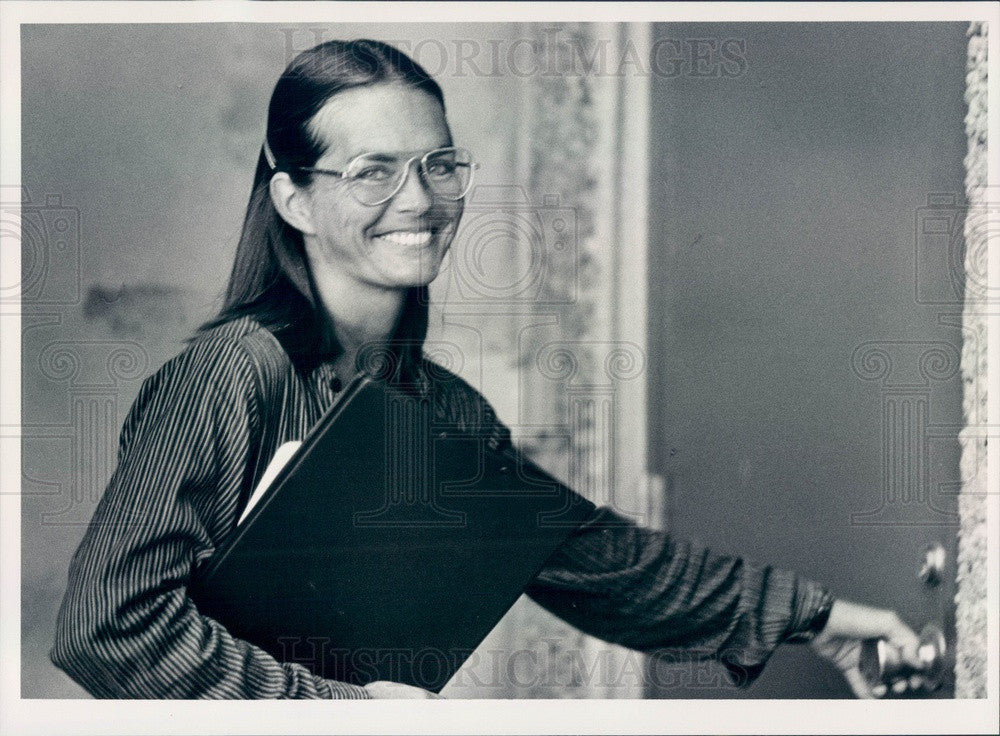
(805, 394)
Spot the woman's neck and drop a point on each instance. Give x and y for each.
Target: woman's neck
(359, 316)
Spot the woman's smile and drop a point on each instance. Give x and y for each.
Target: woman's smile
(407, 237)
(400, 243)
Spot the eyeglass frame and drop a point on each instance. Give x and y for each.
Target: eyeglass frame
(422, 158)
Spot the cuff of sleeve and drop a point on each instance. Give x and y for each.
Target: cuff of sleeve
(741, 675)
(781, 602)
(346, 691)
(810, 611)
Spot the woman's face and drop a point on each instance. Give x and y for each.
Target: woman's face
(397, 244)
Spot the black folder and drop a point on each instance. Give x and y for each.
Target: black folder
(389, 546)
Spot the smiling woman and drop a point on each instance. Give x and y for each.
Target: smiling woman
(356, 198)
(305, 248)
(364, 254)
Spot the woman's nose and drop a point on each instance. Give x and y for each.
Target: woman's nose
(413, 195)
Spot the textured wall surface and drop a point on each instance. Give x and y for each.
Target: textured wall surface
(970, 664)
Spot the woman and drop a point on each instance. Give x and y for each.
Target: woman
(357, 196)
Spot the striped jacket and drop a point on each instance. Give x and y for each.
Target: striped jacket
(191, 448)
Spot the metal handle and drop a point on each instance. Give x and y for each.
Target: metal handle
(932, 565)
(881, 662)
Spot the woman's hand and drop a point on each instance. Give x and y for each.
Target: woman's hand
(382, 689)
(849, 625)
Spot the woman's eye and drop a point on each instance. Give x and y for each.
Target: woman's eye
(440, 168)
(373, 173)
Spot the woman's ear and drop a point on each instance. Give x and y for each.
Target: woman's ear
(292, 202)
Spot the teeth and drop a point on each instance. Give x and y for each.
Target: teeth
(401, 237)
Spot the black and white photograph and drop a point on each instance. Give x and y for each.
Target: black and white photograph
(497, 358)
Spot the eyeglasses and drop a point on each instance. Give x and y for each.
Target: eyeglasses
(375, 178)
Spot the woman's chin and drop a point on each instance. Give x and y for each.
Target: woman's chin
(411, 272)
(411, 277)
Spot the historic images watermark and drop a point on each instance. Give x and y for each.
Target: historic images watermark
(547, 664)
(66, 449)
(945, 229)
(701, 57)
(47, 230)
(906, 373)
(512, 251)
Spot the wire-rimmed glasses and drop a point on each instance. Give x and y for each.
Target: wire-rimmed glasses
(375, 178)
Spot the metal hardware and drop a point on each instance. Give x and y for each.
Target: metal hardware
(881, 662)
(932, 567)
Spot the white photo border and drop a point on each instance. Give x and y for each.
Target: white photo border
(30, 716)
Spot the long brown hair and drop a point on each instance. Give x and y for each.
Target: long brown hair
(270, 280)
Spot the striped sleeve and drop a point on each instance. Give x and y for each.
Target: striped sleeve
(127, 628)
(640, 588)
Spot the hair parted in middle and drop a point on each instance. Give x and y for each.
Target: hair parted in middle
(270, 279)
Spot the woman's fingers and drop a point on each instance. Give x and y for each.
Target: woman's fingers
(848, 626)
(855, 621)
(384, 689)
(901, 637)
(906, 642)
(858, 684)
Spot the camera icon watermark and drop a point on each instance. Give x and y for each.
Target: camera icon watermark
(510, 252)
(48, 233)
(945, 231)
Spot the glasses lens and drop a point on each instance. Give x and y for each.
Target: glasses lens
(373, 178)
(448, 172)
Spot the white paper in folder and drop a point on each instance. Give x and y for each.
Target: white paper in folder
(281, 457)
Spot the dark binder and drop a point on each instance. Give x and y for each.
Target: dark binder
(389, 546)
